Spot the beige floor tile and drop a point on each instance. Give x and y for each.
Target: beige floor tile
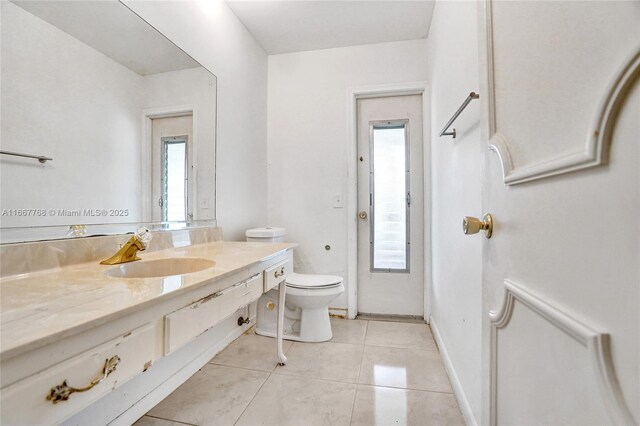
(290, 400)
(152, 421)
(404, 368)
(376, 405)
(214, 395)
(329, 361)
(399, 335)
(251, 351)
(348, 331)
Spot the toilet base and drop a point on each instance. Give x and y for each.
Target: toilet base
(320, 330)
(315, 325)
(300, 325)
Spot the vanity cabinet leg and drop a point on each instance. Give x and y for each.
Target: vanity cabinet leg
(282, 289)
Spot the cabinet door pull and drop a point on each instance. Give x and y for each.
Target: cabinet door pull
(279, 273)
(63, 391)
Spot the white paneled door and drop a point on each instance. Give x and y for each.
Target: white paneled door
(390, 205)
(561, 272)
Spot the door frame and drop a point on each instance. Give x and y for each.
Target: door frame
(146, 168)
(387, 90)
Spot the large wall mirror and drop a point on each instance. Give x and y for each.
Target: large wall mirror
(127, 117)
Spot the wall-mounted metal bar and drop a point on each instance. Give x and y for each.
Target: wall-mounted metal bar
(40, 158)
(472, 96)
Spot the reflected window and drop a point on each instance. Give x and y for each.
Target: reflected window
(174, 179)
(172, 283)
(391, 405)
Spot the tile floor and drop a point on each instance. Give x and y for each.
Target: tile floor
(370, 373)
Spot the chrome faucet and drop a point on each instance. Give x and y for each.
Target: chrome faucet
(129, 251)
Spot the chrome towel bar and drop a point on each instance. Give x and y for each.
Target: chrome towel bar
(40, 158)
(472, 96)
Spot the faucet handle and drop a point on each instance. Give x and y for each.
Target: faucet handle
(76, 231)
(144, 235)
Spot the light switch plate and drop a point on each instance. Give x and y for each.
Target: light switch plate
(337, 201)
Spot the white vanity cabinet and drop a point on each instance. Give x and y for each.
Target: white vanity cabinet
(48, 382)
(185, 324)
(49, 396)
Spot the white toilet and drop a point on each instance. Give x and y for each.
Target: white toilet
(308, 296)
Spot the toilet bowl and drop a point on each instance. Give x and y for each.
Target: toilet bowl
(306, 316)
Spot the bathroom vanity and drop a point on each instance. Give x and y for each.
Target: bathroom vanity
(73, 334)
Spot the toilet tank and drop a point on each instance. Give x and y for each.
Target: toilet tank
(266, 235)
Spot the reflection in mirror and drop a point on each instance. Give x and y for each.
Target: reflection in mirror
(127, 117)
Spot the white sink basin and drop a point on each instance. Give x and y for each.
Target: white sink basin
(159, 268)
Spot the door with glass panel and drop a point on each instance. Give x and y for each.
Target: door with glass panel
(172, 168)
(390, 206)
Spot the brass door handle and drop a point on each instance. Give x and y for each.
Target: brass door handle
(362, 215)
(63, 392)
(472, 225)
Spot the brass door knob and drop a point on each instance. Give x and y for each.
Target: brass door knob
(472, 225)
(362, 215)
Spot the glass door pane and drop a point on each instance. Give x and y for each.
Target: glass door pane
(389, 198)
(174, 179)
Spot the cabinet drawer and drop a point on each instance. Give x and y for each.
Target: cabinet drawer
(25, 402)
(186, 323)
(253, 289)
(277, 273)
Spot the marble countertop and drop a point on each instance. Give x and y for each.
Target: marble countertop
(41, 307)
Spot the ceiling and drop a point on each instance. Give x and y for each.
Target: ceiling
(111, 28)
(298, 25)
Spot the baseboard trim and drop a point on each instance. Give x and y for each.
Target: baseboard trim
(391, 318)
(338, 313)
(465, 407)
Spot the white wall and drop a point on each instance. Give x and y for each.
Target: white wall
(309, 136)
(63, 99)
(218, 41)
(452, 52)
(213, 36)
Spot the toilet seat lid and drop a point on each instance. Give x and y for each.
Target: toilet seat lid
(313, 280)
